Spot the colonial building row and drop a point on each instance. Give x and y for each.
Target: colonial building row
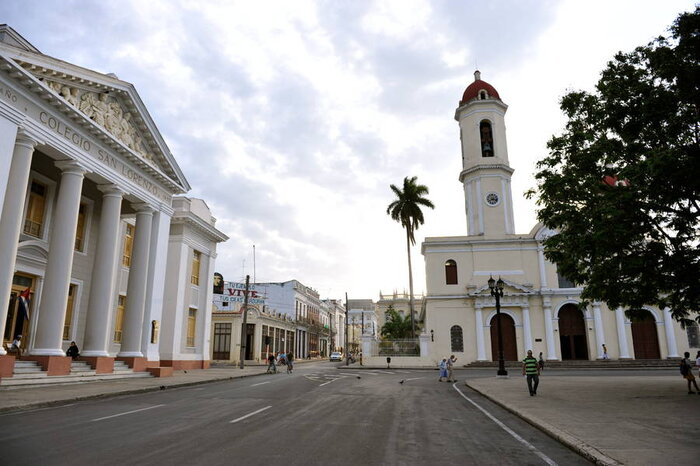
(282, 317)
(97, 242)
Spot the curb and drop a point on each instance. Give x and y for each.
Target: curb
(48, 404)
(579, 446)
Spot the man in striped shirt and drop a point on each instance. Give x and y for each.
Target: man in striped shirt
(532, 370)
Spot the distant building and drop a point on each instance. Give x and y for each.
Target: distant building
(362, 320)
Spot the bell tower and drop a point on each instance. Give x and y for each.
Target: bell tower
(485, 171)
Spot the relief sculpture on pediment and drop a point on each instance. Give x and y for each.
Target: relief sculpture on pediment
(106, 112)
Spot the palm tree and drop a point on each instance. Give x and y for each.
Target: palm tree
(396, 326)
(406, 210)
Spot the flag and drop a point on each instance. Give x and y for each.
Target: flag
(24, 303)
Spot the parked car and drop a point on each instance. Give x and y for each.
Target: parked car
(336, 356)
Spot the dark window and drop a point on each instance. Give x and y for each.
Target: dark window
(456, 338)
(693, 333)
(450, 272)
(564, 282)
(486, 139)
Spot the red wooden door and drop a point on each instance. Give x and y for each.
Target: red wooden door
(645, 338)
(510, 349)
(572, 333)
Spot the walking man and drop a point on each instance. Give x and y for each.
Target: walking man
(271, 367)
(450, 368)
(605, 352)
(532, 370)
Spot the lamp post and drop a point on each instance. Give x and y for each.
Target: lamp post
(497, 292)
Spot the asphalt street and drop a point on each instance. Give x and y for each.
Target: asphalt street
(317, 415)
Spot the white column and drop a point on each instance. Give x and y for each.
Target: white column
(479, 330)
(423, 340)
(157, 269)
(52, 312)
(670, 335)
(541, 262)
(621, 333)
(11, 218)
(136, 286)
(98, 323)
(549, 330)
(527, 329)
(599, 332)
(206, 299)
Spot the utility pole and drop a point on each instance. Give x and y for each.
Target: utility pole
(362, 334)
(347, 353)
(244, 325)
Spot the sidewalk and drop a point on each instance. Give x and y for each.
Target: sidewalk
(648, 420)
(30, 397)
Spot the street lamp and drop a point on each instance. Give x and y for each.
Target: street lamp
(497, 292)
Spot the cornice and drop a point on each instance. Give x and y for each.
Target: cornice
(199, 225)
(485, 166)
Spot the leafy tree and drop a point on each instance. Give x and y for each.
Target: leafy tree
(621, 185)
(406, 210)
(396, 326)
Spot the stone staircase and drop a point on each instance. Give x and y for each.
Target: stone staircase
(585, 364)
(30, 373)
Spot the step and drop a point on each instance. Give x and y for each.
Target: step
(68, 379)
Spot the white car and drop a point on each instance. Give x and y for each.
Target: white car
(336, 356)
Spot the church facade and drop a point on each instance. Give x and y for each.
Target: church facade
(97, 243)
(540, 310)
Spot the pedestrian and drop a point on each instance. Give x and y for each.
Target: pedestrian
(271, 367)
(532, 370)
(697, 362)
(450, 368)
(73, 351)
(605, 352)
(443, 369)
(687, 374)
(290, 362)
(540, 362)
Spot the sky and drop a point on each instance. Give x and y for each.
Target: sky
(292, 118)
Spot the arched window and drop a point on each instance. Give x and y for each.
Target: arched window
(486, 139)
(482, 95)
(456, 339)
(450, 272)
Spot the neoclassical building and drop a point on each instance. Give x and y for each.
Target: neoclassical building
(94, 229)
(540, 309)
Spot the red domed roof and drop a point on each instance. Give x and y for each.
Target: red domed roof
(472, 91)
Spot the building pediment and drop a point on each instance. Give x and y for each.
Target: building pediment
(510, 289)
(112, 106)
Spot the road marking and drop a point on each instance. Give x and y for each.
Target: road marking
(405, 372)
(387, 372)
(251, 414)
(326, 383)
(124, 414)
(261, 383)
(529, 446)
(414, 378)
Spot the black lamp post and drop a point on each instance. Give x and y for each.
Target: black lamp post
(497, 292)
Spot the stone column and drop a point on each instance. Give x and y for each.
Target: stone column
(98, 323)
(136, 289)
(622, 334)
(157, 263)
(423, 340)
(527, 329)
(11, 218)
(599, 332)
(480, 347)
(670, 335)
(52, 312)
(549, 329)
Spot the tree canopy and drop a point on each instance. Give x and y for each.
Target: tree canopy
(396, 326)
(621, 184)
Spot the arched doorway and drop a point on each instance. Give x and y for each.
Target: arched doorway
(510, 349)
(572, 333)
(644, 337)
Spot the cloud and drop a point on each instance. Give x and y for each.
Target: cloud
(291, 119)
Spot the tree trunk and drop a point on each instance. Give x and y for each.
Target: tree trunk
(410, 283)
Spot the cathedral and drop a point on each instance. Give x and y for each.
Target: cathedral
(540, 310)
